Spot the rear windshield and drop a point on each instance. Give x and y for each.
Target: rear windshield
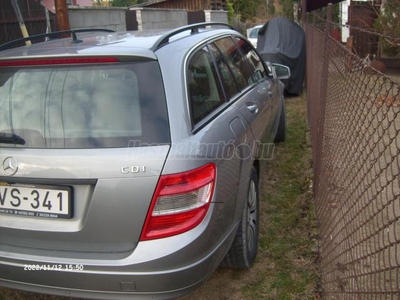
(89, 106)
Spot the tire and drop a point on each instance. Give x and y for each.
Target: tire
(244, 248)
(281, 132)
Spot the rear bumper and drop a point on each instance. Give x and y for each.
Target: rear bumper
(170, 274)
(110, 286)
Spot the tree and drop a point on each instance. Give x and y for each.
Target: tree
(247, 10)
(270, 8)
(123, 3)
(251, 10)
(231, 11)
(284, 8)
(388, 25)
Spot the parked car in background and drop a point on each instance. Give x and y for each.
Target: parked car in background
(252, 34)
(283, 41)
(130, 161)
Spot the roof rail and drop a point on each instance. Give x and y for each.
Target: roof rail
(73, 32)
(164, 39)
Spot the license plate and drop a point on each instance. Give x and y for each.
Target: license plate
(35, 200)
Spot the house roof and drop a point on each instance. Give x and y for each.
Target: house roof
(311, 4)
(317, 4)
(192, 5)
(150, 2)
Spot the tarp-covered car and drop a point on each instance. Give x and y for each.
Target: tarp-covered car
(282, 41)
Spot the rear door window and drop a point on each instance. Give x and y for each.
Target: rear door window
(205, 94)
(90, 106)
(236, 62)
(253, 59)
(228, 81)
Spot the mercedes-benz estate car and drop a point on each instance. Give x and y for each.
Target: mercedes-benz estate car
(130, 161)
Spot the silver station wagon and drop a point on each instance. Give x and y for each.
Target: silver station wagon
(130, 161)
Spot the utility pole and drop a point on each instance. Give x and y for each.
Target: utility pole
(62, 15)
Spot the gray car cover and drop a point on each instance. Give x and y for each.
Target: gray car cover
(282, 41)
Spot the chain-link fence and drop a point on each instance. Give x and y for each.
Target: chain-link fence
(354, 117)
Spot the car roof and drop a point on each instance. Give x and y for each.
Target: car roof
(93, 44)
(137, 43)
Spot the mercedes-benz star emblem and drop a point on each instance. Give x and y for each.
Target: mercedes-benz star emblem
(10, 166)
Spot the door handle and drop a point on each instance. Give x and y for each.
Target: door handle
(270, 92)
(252, 107)
(264, 90)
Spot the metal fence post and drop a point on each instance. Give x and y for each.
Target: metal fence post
(304, 13)
(322, 100)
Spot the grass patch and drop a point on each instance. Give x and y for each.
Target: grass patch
(288, 226)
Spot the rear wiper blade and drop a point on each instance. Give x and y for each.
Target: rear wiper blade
(11, 138)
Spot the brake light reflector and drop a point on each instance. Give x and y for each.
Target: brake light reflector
(58, 61)
(180, 202)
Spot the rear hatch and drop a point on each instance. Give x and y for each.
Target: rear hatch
(82, 145)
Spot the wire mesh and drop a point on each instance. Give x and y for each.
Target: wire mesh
(354, 119)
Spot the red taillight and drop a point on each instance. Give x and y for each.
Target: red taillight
(58, 61)
(180, 202)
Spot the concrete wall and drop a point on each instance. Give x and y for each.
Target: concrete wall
(216, 16)
(147, 18)
(83, 2)
(97, 17)
(158, 18)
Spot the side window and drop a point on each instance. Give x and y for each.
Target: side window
(205, 93)
(227, 79)
(254, 60)
(236, 61)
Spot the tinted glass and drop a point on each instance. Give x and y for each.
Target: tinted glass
(253, 59)
(204, 90)
(91, 106)
(236, 62)
(228, 81)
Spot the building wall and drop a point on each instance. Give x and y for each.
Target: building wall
(216, 16)
(32, 13)
(189, 5)
(83, 2)
(146, 18)
(97, 17)
(149, 18)
(118, 19)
